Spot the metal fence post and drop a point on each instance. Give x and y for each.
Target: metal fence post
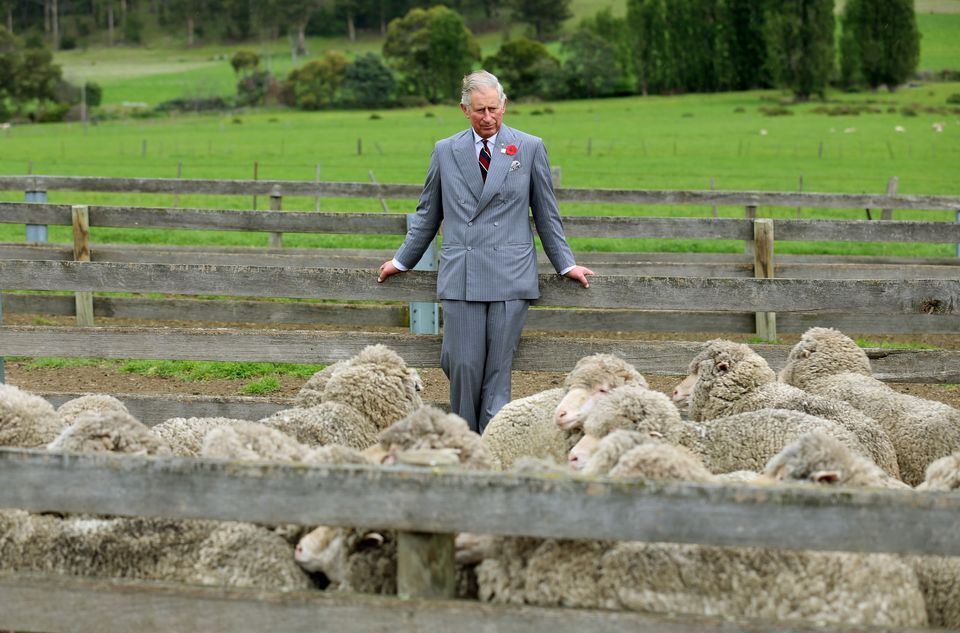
(2, 379)
(425, 316)
(36, 232)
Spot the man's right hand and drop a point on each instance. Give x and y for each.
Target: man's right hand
(386, 269)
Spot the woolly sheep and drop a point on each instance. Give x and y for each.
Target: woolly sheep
(26, 420)
(942, 474)
(745, 441)
(69, 410)
(731, 378)
(828, 363)
(693, 579)
(360, 559)
(548, 424)
(185, 435)
(311, 393)
(108, 430)
(819, 458)
(193, 552)
(252, 442)
(358, 398)
(816, 458)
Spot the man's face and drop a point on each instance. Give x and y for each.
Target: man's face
(485, 112)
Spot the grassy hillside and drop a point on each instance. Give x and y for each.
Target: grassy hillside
(168, 70)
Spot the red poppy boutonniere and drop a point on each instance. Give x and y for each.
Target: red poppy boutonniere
(510, 150)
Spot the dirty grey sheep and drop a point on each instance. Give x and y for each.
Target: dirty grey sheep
(26, 420)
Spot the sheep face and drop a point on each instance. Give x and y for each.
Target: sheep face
(726, 372)
(681, 393)
(590, 380)
(823, 352)
(577, 404)
(813, 458)
(327, 549)
(628, 407)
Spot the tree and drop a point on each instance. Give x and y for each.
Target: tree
(647, 29)
(433, 49)
(523, 66)
(742, 31)
(881, 40)
(545, 17)
(368, 83)
(316, 84)
(245, 62)
(591, 68)
(800, 50)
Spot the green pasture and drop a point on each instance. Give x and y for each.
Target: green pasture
(637, 143)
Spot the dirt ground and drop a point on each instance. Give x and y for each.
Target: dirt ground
(108, 380)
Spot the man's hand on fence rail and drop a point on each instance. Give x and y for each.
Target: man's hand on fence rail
(386, 269)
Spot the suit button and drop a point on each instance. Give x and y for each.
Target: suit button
(496, 248)
(469, 223)
(469, 248)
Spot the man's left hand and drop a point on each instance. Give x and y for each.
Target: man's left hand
(580, 273)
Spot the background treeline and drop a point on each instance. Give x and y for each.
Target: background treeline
(657, 47)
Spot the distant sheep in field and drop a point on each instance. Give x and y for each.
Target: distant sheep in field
(26, 420)
(731, 378)
(548, 424)
(828, 363)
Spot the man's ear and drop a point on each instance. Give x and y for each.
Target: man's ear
(463, 109)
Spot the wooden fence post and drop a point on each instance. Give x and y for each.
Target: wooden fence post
(751, 214)
(891, 191)
(2, 379)
(425, 315)
(316, 179)
(276, 204)
(763, 269)
(80, 215)
(256, 176)
(713, 187)
(425, 565)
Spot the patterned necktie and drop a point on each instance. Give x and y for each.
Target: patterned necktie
(484, 160)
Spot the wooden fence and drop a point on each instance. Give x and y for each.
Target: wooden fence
(433, 504)
(433, 501)
(632, 291)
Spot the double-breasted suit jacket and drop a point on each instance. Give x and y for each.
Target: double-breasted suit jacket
(488, 251)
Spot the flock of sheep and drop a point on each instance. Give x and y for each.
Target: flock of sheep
(823, 421)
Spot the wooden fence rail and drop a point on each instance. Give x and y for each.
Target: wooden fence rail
(425, 500)
(376, 191)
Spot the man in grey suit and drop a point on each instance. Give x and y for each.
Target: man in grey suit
(482, 184)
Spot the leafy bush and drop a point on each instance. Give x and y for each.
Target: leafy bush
(244, 62)
(256, 88)
(193, 104)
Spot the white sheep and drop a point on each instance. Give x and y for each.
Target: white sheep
(731, 378)
(825, 587)
(365, 560)
(108, 430)
(185, 435)
(186, 551)
(745, 441)
(548, 424)
(69, 410)
(942, 474)
(26, 420)
(358, 398)
(828, 363)
(818, 459)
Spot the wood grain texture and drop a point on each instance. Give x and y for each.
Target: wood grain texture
(441, 500)
(78, 605)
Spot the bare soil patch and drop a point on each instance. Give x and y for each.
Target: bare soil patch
(109, 380)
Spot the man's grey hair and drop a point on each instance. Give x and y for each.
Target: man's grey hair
(480, 79)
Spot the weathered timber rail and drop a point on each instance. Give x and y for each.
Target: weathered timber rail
(426, 500)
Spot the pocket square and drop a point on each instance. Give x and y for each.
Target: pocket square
(515, 165)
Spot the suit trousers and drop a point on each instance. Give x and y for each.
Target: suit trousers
(479, 341)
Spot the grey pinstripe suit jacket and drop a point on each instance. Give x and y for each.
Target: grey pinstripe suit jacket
(488, 251)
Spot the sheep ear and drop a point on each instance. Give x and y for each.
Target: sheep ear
(370, 540)
(826, 476)
(807, 353)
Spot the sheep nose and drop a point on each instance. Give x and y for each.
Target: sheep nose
(573, 460)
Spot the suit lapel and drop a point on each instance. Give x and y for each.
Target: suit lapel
(499, 166)
(463, 149)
